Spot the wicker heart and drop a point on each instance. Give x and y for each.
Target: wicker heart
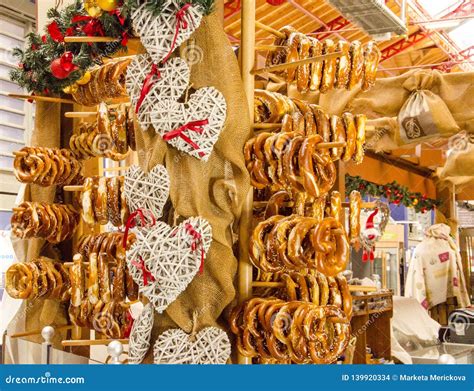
(171, 83)
(157, 33)
(210, 346)
(139, 341)
(207, 104)
(148, 191)
(164, 259)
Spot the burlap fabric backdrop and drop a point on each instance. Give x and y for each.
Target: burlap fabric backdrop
(36, 313)
(383, 102)
(214, 189)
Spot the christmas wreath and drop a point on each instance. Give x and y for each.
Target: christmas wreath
(47, 64)
(393, 192)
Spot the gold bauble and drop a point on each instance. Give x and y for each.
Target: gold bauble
(92, 8)
(86, 77)
(70, 89)
(107, 5)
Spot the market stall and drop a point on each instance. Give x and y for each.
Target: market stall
(208, 184)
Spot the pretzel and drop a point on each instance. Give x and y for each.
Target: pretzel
(338, 134)
(308, 116)
(343, 65)
(113, 201)
(371, 61)
(351, 136)
(76, 273)
(329, 69)
(103, 277)
(333, 248)
(357, 64)
(257, 247)
(275, 203)
(303, 71)
(360, 121)
(291, 167)
(299, 253)
(93, 281)
(337, 212)
(124, 211)
(47, 166)
(130, 128)
(293, 54)
(54, 223)
(316, 68)
(86, 201)
(355, 205)
(100, 201)
(345, 294)
(119, 130)
(279, 56)
(118, 284)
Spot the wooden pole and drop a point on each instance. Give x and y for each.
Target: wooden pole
(41, 98)
(247, 63)
(281, 67)
(90, 342)
(269, 29)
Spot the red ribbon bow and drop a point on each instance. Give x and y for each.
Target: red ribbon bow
(147, 84)
(181, 22)
(131, 223)
(145, 272)
(197, 243)
(92, 28)
(193, 126)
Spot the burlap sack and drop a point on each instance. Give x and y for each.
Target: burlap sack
(386, 99)
(214, 189)
(424, 115)
(458, 169)
(35, 314)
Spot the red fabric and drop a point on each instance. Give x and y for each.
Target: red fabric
(147, 84)
(147, 276)
(180, 23)
(193, 126)
(131, 223)
(196, 244)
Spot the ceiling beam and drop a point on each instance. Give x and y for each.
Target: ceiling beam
(403, 44)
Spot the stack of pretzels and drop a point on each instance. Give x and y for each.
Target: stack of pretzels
(315, 287)
(109, 136)
(355, 64)
(47, 166)
(98, 293)
(294, 331)
(290, 160)
(106, 82)
(52, 222)
(105, 242)
(309, 119)
(103, 201)
(39, 278)
(296, 243)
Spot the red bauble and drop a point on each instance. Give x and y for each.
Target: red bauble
(275, 2)
(58, 70)
(66, 61)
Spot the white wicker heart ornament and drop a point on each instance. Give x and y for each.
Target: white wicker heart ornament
(139, 341)
(164, 259)
(210, 346)
(147, 191)
(161, 35)
(169, 82)
(192, 127)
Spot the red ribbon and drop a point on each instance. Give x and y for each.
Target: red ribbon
(92, 28)
(197, 243)
(145, 272)
(180, 23)
(130, 321)
(55, 32)
(147, 84)
(119, 16)
(193, 126)
(131, 223)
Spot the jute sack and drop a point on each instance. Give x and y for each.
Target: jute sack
(458, 169)
(424, 114)
(214, 190)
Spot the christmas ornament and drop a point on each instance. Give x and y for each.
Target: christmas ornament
(372, 233)
(107, 5)
(162, 34)
(92, 8)
(86, 77)
(191, 127)
(168, 82)
(210, 346)
(58, 70)
(139, 340)
(147, 191)
(164, 260)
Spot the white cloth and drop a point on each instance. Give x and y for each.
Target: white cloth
(435, 271)
(412, 325)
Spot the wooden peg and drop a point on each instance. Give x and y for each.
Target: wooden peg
(73, 188)
(119, 168)
(91, 342)
(281, 67)
(269, 29)
(80, 114)
(38, 331)
(41, 98)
